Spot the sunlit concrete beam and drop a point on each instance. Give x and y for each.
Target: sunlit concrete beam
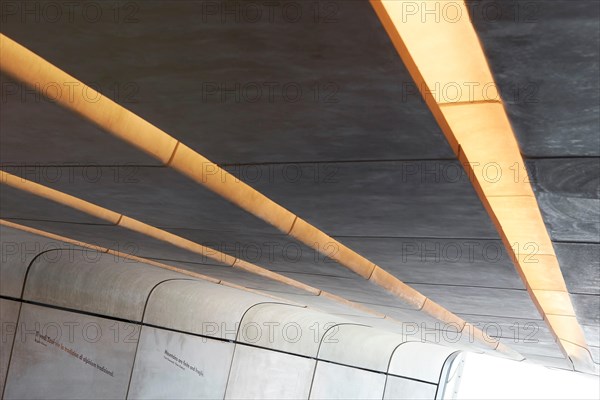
(438, 44)
(29, 68)
(134, 225)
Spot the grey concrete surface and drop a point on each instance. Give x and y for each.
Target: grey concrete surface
(381, 199)
(362, 157)
(17, 204)
(405, 389)
(267, 374)
(372, 348)
(52, 363)
(349, 383)
(341, 60)
(158, 374)
(9, 313)
(286, 328)
(18, 251)
(427, 361)
(197, 307)
(90, 281)
(580, 264)
(552, 96)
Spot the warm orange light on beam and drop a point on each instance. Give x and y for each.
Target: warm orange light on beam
(33, 70)
(441, 49)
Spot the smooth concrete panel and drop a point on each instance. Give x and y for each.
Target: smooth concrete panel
(577, 177)
(41, 135)
(20, 205)
(200, 307)
(514, 329)
(587, 308)
(354, 288)
(441, 261)
(580, 266)
(544, 349)
(18, 250)
(263, 374)
(552, 97)
(171, 365)
(360, 346)
(99, 283)
(288, 328)
(321, 304)
(120, 239)
(352, 84)
(413, 198)
(273, 250)
(406, 389)
(422, 361)
(243, 278)
(592, 334)
(134, 193)
(334, 381)
(497, 302)
(382, 199)
(9, 313)
(65, 355)
(552, 362)
(571, 219)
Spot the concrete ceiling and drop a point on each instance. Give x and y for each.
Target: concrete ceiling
(359, 154)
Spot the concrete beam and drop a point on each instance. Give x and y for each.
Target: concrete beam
(33, 70)
(441, 49)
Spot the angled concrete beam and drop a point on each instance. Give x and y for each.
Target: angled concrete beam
(441, 49)
(430, 307)
(29, 68)
(128, 256)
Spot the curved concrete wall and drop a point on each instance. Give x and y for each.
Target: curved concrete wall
(95, 326)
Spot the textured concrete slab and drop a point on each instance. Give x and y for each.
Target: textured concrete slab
(571, 219)
(120, 239)
(197, 307)
(552, 97)
(18, 251)
(552, 362)
(595, 354)
(382, 199)
(73, 277)
(397, 199)
(17, 204)
(587, 308)
(543, 349)
(90, 364)
(355, 289)
(370, 166)
(592, 334)
(241, 277)
(426, 361)
(286, 328)
(372, 349)
(580, 265)
(481, 300)
(259, 373)
(442, 261)
(514, 329)
(321, 304)
(334, 381)
(9, 313)
(574, 177)
(275, 252)
(35, 132)
(174, 365)
(321, 65)
(401, 389)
